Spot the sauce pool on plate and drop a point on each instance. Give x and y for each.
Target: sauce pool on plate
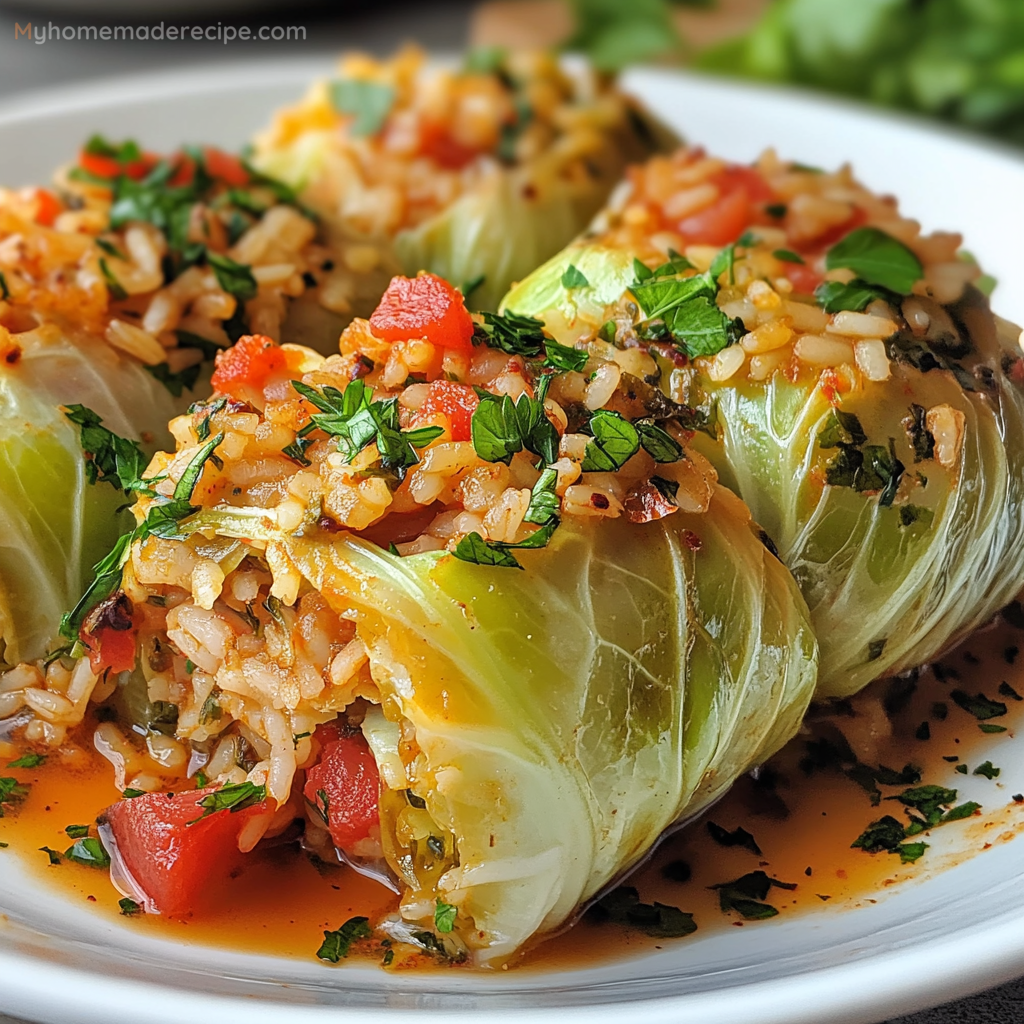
(780, 843)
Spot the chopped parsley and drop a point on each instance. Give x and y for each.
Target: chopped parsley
(563, 358)
(988, 770)
(88, 851)
(920, 437)
(444, 916)
(28, 761)
(11, 792)
(473, 548)
(53, 855)
(233, 798)
(876, 258)
(615, 442)
(76, 831)
(746, 895)
(322, 806)
(1006, 690)
(834, 297)
(176, 383)
(517, 335)
(687, 306)
(235, 278)
(979, 705)
(573, 277)
(658, 442)
(114, 286)
(368, 103)
(337, 944)
(131, 794)
(990, 727)
(501, 427)
(5, 292)
(788, 256)
(129, 908)
(863, 467)
(737, 837)
(623, 906)
(109, 458)
(355, 422)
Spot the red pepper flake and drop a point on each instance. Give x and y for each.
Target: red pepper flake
(599, 500)
(645, 503)
(830, 387)
(692, 541)
(12, 355)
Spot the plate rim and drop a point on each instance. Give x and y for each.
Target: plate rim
(912, 978)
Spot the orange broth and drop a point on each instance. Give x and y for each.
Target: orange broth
(281, 902)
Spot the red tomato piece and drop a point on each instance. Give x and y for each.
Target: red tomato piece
(437, 144)
(805, 279)
(426, 306)
(184, 172)
(48, 206)
(172, 856)
(225, 167)
(347, 776)
(721, 223)
(101, 166)
(738, 177)
(112, 649)
(251, 362)
(457, 401)
(110, 167)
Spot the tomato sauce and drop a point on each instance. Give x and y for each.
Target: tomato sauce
(281, 901)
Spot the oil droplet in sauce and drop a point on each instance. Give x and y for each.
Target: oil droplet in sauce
(802, 820)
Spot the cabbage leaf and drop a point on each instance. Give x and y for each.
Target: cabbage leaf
(890, 584)
(570, 713)
(54, 524)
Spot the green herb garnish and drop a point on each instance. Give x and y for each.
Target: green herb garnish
(90, 852)
(876, 258)
(337, 944)
(444, 916)
(368, 103)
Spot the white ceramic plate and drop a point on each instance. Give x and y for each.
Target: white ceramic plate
(957, 928)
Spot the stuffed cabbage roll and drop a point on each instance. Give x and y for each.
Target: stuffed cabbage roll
(478, 174)
(849, 379)
(486, 643)
(114, 289)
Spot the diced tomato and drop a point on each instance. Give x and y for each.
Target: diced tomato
(805, 279)
(347, 776)
(109, 634)
(726, 219)
(738, 177)
(47, 207)
(426, 306)
(457, 401)
(109, 167)
(184, 171)
(171, 851)
(721, 223)
(225, 167)
(249, 363)
(112, 649)
(437, 144)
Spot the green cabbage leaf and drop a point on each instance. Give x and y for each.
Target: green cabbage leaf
(54, 524)
(570, 713)
(890, 583)
(511, 220)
